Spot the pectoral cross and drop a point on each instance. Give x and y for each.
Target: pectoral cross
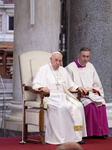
(32, 12)
(58, 84)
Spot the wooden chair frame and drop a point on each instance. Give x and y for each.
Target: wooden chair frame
(41, 117)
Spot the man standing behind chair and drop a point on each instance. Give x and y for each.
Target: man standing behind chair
(65, 115)
(84, 74)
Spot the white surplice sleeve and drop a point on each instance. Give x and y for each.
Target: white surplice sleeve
(97, 83)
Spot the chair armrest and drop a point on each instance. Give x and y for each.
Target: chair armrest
(29, 88)
(79, 94)
(41, 93)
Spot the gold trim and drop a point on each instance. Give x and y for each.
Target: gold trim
(78, 128)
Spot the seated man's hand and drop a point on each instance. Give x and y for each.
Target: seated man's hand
(44, 89)
(84, 92)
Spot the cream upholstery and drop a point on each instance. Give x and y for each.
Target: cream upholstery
(33, 114)
(34, 104)
(29, 63)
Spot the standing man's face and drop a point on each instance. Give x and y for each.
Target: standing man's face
(56, 60)
(84, 57)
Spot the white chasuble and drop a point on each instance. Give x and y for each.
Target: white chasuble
(88, 78)
(65, 115)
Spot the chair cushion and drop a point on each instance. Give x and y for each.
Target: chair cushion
(34, 104)
(32, 116)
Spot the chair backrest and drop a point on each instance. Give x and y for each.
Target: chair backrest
(29, 63)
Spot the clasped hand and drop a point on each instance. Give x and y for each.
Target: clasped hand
(84, 92)
(45, 89)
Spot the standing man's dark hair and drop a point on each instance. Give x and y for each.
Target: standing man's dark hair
(84, 49)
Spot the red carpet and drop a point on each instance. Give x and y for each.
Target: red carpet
(12, 143)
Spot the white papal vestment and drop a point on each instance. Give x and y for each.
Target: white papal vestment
(65, 114)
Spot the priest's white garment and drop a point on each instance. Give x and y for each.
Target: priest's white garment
(88, 78)
(65, 115)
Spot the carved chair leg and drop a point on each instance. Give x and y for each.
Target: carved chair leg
(25, 130)
(41, 126)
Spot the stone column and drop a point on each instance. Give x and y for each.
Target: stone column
(43, 35)
(34, 29)
(91, 26)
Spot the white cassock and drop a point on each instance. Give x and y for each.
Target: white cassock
(88, 78)
(65, 115)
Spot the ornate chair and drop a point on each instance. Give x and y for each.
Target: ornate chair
(33, 111)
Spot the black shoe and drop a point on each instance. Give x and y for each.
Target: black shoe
(87, 138)
(81, 142)
(100, 137)
(103, 137)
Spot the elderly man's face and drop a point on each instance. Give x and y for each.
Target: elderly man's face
(84, 57)
(56, 60)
